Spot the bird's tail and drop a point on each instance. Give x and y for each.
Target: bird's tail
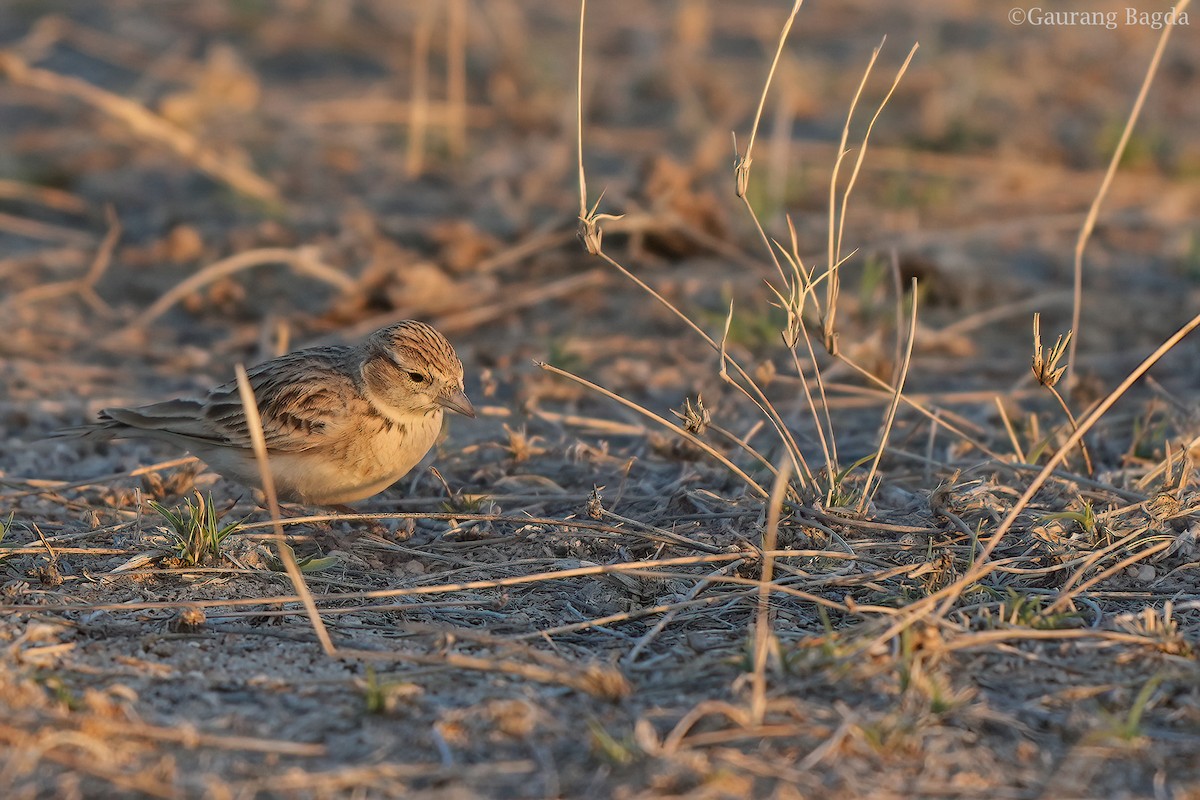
(94, 431)
(181, 417)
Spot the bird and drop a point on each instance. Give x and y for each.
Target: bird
(341, 422)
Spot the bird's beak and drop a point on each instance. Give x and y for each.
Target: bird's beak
(458, 401)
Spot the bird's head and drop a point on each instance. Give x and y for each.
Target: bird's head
(409, 368)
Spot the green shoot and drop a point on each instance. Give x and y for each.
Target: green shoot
(196, 530)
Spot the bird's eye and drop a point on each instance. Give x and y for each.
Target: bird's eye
(417, 377)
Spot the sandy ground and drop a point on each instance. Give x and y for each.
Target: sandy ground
(579, 602)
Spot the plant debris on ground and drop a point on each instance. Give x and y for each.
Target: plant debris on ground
(802, 469)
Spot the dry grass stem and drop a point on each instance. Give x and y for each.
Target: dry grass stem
(750, 389)
(666, 423)
(304, 260)
(583, 200)
(456, 78)
(594, 679)
(837, 220)
(668, 613)
(1089, 224)
(84, 286)
(592, 236)
(44, 231)
(1047, 373)
(143, 123)
(743, 165)
(890, 417)
(762, 616)
(1065, 598)
(365, 111)
(862, 151)
(1011, 431)
(286, 556)
(651, 568)
(940, 416)
(46, 196)
(418, 123)
(982, 566)
(802, 287)
(1084, 426)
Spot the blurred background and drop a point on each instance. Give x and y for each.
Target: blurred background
(374, 160)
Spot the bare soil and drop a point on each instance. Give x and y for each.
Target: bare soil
(569, 606)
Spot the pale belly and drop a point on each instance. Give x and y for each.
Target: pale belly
(351, 471)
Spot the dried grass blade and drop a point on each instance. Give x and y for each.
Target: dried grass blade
(254, 424)
(1085, 233)
(890, 418)
(762, 619)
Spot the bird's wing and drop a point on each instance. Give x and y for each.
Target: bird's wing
(304, 399)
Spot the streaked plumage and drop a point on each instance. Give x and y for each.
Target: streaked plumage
(341, 423)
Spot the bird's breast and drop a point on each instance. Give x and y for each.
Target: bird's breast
(361, 464)
(395, 446)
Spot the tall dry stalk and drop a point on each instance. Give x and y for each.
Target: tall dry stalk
(418, 123)
(259, 444)
(456, 78)
(1089, 224)
(797, 290)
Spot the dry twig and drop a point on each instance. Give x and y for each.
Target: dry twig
(143, 122)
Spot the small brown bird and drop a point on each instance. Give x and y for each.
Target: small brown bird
(341, 423)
